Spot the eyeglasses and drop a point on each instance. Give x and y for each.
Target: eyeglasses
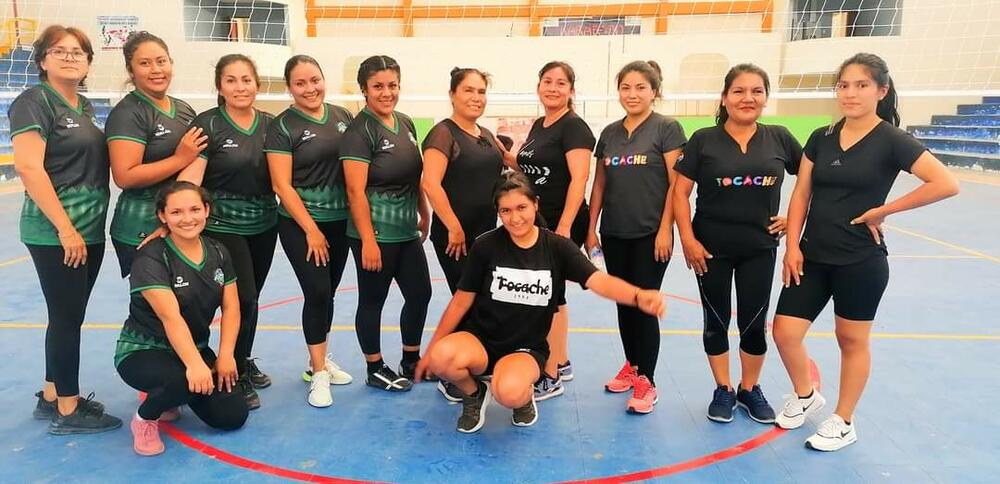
(63, 54)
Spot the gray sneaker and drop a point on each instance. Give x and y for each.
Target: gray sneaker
(46, 410)
(525, 416)
(450, 392)
(474, 410)
(86, 419)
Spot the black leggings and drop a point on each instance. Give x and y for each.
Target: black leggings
(163, 376)
(126, 254)
(406, 263)
(452, 268)
(633, 261)
(319, 284)
(753, 274)
(66, 292)
(252, 256)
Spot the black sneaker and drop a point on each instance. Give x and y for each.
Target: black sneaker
(525, 416)
(450, 392)
(257, 377)
(386, 379)
(86, 419)
(474, 410)
(245, 387)
(565, 371)
(409, 371)
(756, 405)
(723, 404)
(46, 410)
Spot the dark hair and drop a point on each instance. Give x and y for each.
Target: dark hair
(134, 40)
(224, 62)
(567, 69)
(459, 74)
(887, 108)
(294, 61)
(746, 68)
(649, 69)
(53, 34)
(510, 181)
(374, 64)
(179, 186)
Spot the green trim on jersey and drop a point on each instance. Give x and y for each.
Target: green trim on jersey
(321, 121)
(394, 217)
(26, 129)
(86, 207)
(131, 342)
(146, 288)
(189, 262)
(248, 132)
(234, 214)
(379, 120)
(324, 203)
(173, 106)
(134, 217)
(79, 103)
(127, 138)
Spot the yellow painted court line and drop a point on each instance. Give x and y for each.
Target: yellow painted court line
(10, 262)
(582, 330)
(979, 179)
(944, 257)
(946, 244)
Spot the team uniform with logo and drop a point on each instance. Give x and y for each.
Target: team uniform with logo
(76, 162)
(635, 191)
(318, 179)
(738, 193)
(144, 357)
(138, 119)
(843, 261)
(518, 291)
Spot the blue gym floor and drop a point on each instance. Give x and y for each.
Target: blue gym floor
(927, 414)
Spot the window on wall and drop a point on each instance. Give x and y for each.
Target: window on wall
(236, 21)
(821, 19)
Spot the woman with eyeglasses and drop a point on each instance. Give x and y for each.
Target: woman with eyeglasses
(62, 159)
(148, 141)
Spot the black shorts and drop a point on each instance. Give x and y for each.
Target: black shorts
(856, 290)
(493, 355)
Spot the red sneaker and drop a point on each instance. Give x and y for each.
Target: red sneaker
(146, 436)
(643, 398)
(623, 381)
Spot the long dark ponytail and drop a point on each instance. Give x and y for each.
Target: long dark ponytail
(888, 107)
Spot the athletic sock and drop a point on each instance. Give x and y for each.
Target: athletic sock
(810, 395)
(411, 356)
(374, 366)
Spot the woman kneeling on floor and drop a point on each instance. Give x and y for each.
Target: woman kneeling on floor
(177, 284)
(512, 283)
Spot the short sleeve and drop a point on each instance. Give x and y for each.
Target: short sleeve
(149, 270)
(670, 136)
(30, 111)
(601, 143)
(793, 150)
(440, 139)
(278, 139)
(689, 163)
(228, 270)
(127, 122)
(476, 266)
(356, 145)
(204, 121)
(905, 149)
(577, 135)
(812, 144)
(576, 266)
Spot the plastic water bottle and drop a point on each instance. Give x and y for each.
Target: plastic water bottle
(597, 258)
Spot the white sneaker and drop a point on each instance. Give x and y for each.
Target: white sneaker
(337, 375)
(833, 434)
(797, 409)
(319, 390)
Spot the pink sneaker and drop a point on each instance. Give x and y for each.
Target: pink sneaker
(623, 381)
(171, 415)
(146, 436)
(643, 398)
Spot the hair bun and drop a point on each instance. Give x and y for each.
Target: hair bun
(656, 67)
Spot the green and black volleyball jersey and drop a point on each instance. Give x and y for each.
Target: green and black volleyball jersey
(197, 287)
(237, 176)
(138, 119)
(76, 160)
(394, 169)
(314, 145)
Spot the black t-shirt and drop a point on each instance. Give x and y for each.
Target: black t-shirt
(394, 169)
(138, 119)
(473, 167)
(237, 175)
(846, 184)
(198, 288)
(314, 145)
(518, 290)
(543, 159)
(76, 161)
(738, 192)
(635, 174)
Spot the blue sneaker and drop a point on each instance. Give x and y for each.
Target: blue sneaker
(723, 405)
(546, 388)
(755, 404)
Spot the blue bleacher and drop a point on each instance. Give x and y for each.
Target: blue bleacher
(970, 138)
